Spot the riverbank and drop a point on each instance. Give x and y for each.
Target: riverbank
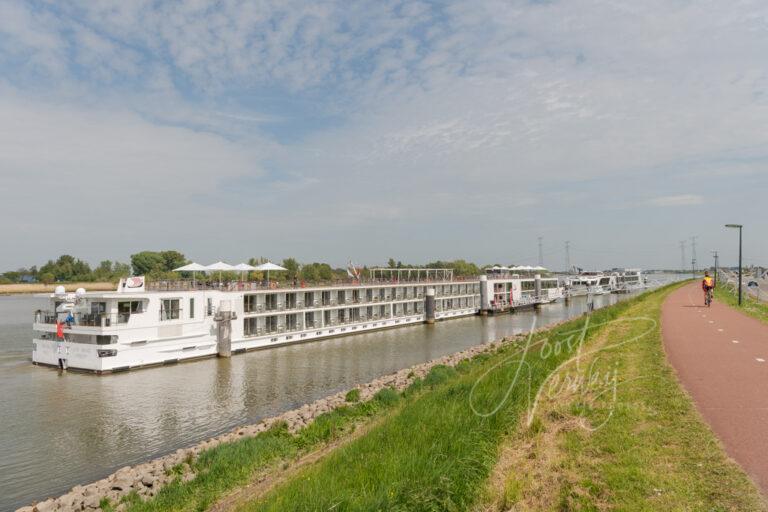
(587, 415)
(240, 453)
(20, 289)
(421, 414)
(128, 418)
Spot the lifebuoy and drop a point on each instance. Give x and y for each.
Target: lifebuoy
(273, 285)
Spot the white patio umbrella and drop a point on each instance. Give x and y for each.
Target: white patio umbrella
(194, 268)
(219, 266)
(266, 267)
(244, 267)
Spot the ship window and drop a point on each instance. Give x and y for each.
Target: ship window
(170, 310)
(130, 307)
(127, 308)
(209, 308)
(250, 326)
(249, 303)
(98, 307)
(191, 308)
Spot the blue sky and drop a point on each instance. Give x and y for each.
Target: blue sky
(363, 130)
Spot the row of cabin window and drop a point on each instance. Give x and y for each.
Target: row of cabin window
(527, 285)
(270, 324)
(271, 300)
(170, 309)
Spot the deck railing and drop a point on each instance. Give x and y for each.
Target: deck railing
(81, 319)
(191, 285)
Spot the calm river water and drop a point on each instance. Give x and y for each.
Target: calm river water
(62, 429)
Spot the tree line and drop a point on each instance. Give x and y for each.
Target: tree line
(67, 268)
(159, 265)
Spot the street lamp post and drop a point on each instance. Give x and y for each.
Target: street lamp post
(739, 226)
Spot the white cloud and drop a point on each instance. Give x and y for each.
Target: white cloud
(681, 200)
(443, 115)
(103, 182)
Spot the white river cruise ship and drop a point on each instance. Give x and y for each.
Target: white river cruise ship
(155, 323)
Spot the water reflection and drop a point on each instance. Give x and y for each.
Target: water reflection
(61, 429)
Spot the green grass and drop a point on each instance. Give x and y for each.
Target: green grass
(749, 304)
(430, 451)
(654, 452)
(434, 452)
(231, 465)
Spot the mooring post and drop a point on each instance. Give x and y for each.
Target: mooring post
(429, 306)
(223, 318)
(484, 303)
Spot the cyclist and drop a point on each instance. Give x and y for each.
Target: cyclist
(708, 284)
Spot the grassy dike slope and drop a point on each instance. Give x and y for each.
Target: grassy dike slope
(644, 447)
(426, 449)
(749, 304)
(650, 449)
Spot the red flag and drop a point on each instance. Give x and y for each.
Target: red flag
(59, 329)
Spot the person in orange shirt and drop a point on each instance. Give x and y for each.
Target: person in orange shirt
(707, 284)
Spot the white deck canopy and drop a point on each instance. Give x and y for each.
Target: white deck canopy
(220, 266)
(194, 268)
(243, 268)
(268, 266)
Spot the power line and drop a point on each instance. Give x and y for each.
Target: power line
(682, 256)
(541, 254)
(693, 255)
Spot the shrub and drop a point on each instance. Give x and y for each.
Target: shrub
(387, 396)
(353, 395)
(439, 374)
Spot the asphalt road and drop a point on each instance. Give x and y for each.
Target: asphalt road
(721, 358)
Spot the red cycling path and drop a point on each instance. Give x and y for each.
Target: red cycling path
(721, 358)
